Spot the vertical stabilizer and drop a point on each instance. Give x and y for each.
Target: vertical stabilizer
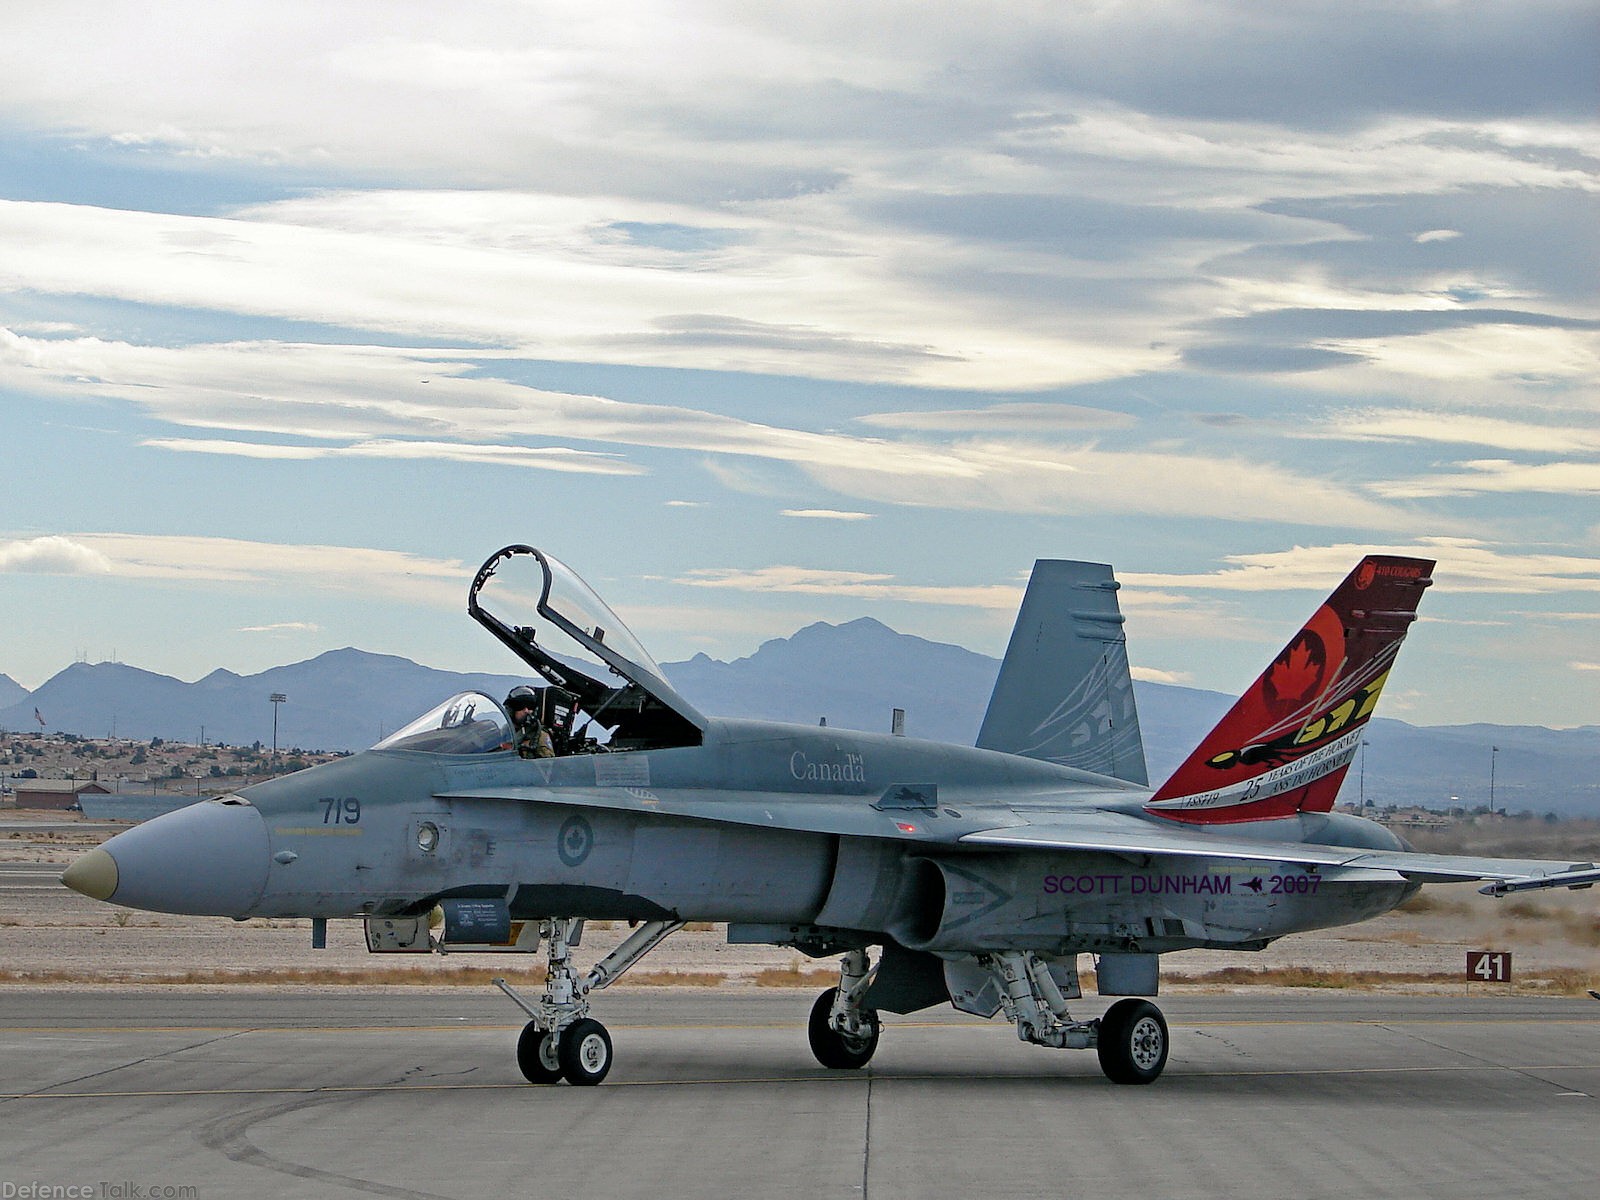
(1064, 693)
(1285, 746)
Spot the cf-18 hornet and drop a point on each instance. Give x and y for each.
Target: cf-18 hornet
(975, 876)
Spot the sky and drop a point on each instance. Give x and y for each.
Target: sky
(759, 315)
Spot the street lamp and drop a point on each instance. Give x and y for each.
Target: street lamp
(277, 698)
(1493, 752)
(1363, 773)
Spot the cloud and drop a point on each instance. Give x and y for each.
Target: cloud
(544, 458)
(1002, 418)
(1433, 425)
(191, 560)
(825, 514)
(52, 555)
(1049, 478)
(355, 234)
(1156, 675)
(283, 627)
(1467, 566)
(340, 392)
(1584, 666)
(1500, 475)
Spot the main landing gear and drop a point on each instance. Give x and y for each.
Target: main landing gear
(842, 1031)
(1131, 1039)
(561, 1041)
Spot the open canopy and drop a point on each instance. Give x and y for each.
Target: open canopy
(576, 642)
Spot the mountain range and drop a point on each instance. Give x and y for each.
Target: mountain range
(852, 675)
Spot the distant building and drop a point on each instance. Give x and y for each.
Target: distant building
(54, 793)
(135, 806)
(1416, 818)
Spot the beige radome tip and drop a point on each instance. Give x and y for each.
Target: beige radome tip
(94, 874)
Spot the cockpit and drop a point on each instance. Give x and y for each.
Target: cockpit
(467, 723)
(599, 691)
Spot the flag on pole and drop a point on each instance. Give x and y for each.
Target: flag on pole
(38, 716)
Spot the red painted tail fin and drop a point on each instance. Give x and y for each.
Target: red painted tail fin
(1285, 745)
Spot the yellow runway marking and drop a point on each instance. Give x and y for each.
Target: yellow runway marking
(465, 1026)
(764, 1080)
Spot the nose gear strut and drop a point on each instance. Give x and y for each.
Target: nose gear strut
(561, 1040)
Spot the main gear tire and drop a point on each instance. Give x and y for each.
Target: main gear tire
(1133, 1042)
(835, 1050)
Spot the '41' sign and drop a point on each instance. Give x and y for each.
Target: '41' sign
(1489, 966)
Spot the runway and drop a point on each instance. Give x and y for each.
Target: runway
(415, 1094)
(31, 877)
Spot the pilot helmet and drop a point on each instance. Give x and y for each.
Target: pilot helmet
(522, 696)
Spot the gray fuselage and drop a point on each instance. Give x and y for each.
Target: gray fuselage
(774, 827)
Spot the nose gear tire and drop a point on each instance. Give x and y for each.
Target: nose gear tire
(585, 1052)
(537, 1055)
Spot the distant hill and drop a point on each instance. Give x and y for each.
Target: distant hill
(853, 674)
(11, 692)
(342, 700)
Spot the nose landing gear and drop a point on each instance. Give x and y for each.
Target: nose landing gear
(561, 1041)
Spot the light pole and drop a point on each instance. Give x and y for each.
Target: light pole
(1363, 773)
(1493, 753)
(277, 698)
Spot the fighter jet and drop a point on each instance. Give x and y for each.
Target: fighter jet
(975, 876)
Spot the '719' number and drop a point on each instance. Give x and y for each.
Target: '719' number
(340, 812)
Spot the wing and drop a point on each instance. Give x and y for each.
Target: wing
(1100, 832)
(1110, 833)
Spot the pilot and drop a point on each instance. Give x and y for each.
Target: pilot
(531, 738)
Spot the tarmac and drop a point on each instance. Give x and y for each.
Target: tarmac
(160, 1092)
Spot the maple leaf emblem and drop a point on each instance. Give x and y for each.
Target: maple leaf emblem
(1294, 676)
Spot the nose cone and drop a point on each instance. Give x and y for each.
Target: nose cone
(94, 874)
(209, 859)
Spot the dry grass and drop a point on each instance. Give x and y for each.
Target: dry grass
(1559, 982)
(795, 975)
(356, 976)
(673, 979)
(448, 977)
(1556, 981)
